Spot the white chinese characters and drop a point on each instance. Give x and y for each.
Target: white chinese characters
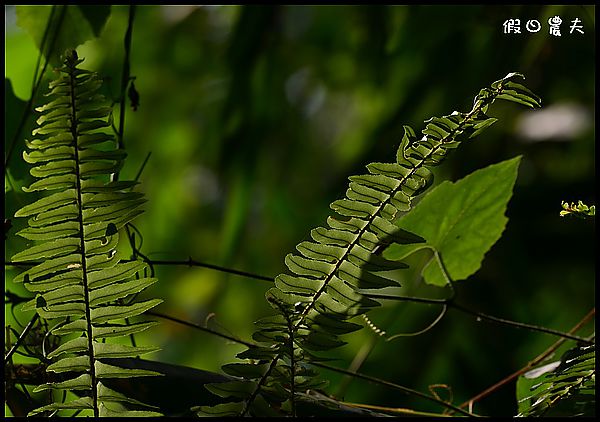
(533, 25)
(554, 23)
(513, 26)
(576, 26)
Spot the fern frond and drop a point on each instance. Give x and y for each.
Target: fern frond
(322, 290)
(568, 390)
(80, 285)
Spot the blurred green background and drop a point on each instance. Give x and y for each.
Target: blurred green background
(256, 115)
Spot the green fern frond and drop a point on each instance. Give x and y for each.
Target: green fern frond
(80, 285)
(323, 289)
(568, 390)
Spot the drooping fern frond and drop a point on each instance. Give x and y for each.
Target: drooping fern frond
(80, 286)
(568, 390)
(322, 292)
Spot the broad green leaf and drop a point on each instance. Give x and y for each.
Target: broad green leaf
(96, 15)
(14, 108)
(461, 221)
(73, 26)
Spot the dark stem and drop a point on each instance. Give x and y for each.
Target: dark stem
(393, 385)
(124, 81)
(332, 368)
(34, 88)
(479, 315)
(86, 290)
(531, 364)
(199, 327)
(21, 338)
(449, 302)
(190, 262)
(139, 173)
(292, 365)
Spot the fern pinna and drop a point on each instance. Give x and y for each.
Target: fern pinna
(569, 389)
(81, 286)
(323, 290)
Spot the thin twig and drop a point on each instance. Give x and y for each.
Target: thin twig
(125, 77)
(398, 410)
(393, 385)
(34, 90)
(139, 173)
(479, 315)
(529, 365)
(21, 338)
(331, 368)
(199, 327)
(190, 262)
(450, 303)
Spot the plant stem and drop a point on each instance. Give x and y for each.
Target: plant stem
(450, 303)
(21, 338)
(189, 262)
(124, 82)
(36, 85)
(393, 385)
(331, 368)
(529, 365)
(200, 327)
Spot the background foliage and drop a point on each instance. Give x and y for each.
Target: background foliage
(254, 118)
